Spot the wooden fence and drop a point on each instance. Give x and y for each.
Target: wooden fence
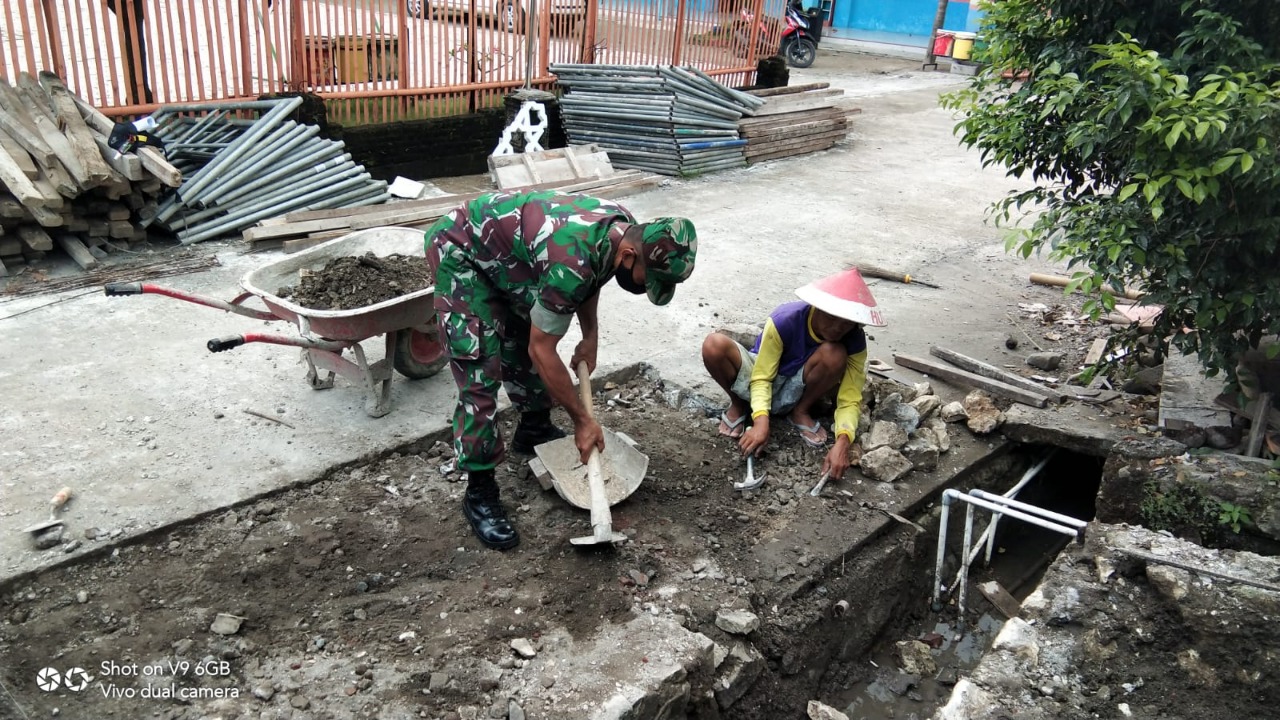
(372, 60)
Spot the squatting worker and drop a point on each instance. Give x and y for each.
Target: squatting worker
(807, 348)
(511, 271)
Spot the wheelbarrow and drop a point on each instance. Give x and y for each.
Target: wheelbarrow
(407, 322)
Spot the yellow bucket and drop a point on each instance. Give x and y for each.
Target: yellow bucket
(962, 49)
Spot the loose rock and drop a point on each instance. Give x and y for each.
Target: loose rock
(1048, 361)
(884, 464)
(514, 711)
(264, 692)
(926, 405)
(300, 702)
(915, 658)
(984, 416)
(884, 434)
(922, 451)
(896, 411)
(523, 648)
(49, 538)
(737, 622)
(818, 711)
(82, 597)
(940, 434)
(224, 624)
(954, 412)
(438, 681)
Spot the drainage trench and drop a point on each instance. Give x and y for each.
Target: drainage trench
(849, 658)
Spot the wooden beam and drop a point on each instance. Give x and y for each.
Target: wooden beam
(23, 188)
(788, 90)
(72, 246)
(951, 374)
(74, 128)
(15, 121)
(35, 238)
(1258, 432)
(153, 160)
(790, 107)
(19, 155)
(987, 370)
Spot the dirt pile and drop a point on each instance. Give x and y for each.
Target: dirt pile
(347, 283)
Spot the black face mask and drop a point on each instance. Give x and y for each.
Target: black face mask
(626, 282)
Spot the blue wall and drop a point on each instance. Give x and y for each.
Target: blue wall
(905, 17)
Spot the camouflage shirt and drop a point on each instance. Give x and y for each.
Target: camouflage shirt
(547, 252)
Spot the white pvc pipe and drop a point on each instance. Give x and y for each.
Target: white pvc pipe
(990, 535)
(964, 565)
(1032, 509)
(1032, 519)
(942, 547)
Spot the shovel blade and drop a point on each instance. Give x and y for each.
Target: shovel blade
(593, 540)
(42, 526)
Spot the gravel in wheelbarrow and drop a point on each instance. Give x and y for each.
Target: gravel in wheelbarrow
(350, 282)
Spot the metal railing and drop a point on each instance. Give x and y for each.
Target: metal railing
(371, 60)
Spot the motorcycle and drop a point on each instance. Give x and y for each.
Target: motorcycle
(801, 36)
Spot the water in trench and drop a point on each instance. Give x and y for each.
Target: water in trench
(873, 687)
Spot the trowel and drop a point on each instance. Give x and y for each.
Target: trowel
(59, 499)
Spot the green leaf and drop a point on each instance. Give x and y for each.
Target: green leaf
(1246, 162)
(1223, 164)
(1184, 186)
(1127, 191)
(1202, 128)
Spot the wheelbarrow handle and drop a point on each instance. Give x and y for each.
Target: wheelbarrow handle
(222, 344)
(122, 288)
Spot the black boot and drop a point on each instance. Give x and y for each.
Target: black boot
(483, 508)
(534, 429)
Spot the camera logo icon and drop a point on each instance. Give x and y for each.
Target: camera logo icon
(48, 679)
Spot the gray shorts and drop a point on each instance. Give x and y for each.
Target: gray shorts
(787, 389)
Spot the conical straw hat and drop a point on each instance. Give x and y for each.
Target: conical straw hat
(844, 295)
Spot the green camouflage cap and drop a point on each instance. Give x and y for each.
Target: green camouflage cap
(670, 246)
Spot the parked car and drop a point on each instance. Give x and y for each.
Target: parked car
(511, 14)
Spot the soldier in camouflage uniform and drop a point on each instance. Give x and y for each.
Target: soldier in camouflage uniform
(511, 271)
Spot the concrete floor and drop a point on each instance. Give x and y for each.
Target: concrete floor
(118, 398)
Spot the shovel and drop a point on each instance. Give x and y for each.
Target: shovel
(608, 480)
(59, 499)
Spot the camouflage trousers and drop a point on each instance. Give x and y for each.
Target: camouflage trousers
(488, 348)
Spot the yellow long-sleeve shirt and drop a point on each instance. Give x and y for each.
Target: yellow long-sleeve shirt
(848, 398)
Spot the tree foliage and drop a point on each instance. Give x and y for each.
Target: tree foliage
(1150, 129)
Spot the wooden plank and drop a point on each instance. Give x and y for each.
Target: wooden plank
(1258, 432)
(293, 246)
(817, 147)
(973, 365)
(1096, 349)
(19, 155)
(153, 160)
(129, 165)
(788, 119)
(118, 211)
(74, 127)
(803, 97)
(46, 217)
(15, 121)
(55, 199)
(769, 146)
(796, 106)
(72, 246)
(808, 125)
(821, 128)
(10, 246)
(35, 238)
(788, 90)
(1060, 281)
(951, 374)
(10, 207)
(23, 188)
(1007, 604)
(119, 229)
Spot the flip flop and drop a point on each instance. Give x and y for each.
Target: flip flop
(732, 428)
(816, 429)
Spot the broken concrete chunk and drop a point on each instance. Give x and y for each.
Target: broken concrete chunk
(884, 464)
(1048, 361)
(742, 333)
(1018, 638)
(884, 434)
(940, 434)
(921, 389)
(818, 711)
(926, 405)
(915, 658)
(984, 416)
(954, 412)
(224, 624)
(896, 411)
(745, 664)
(523, 648)
(737, 622)
(922, 451)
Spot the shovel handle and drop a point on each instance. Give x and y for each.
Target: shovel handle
(601, 519)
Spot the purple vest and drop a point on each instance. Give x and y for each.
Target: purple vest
(792, 323)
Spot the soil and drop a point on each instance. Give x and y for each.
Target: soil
(347, 283)
(331, 577)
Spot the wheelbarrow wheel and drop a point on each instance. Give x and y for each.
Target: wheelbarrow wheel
(418, 354)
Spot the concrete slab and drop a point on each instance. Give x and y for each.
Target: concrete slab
(1081, 428)
(119, 399)
(1187, 396)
